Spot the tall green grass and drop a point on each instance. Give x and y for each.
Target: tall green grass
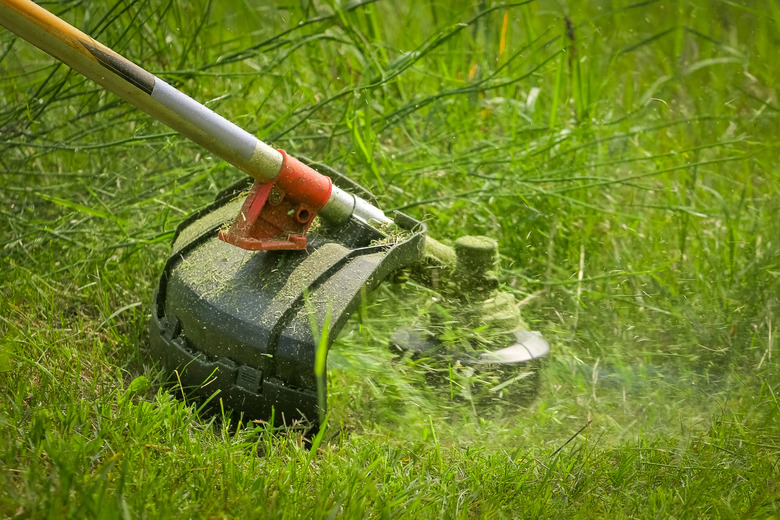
(624, 155)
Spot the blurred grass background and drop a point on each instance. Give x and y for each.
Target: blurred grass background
(622, 154)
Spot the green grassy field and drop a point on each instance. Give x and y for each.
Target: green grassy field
(622, 154)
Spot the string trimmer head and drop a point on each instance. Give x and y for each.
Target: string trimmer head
(255, 291)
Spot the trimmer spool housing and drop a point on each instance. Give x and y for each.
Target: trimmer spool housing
(244, 327)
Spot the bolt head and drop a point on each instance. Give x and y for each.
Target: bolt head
(275, 197)
(476, 254)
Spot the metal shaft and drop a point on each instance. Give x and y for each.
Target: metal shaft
(140, 88)
(162, 101)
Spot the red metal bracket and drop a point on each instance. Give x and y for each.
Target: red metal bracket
(277, 214)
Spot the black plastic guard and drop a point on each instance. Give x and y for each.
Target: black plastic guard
(239, 326)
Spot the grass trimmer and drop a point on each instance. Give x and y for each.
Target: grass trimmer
(255, 290)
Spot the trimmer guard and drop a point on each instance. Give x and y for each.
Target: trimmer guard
(243, 326)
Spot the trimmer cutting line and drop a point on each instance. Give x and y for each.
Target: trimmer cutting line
(250, 284)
